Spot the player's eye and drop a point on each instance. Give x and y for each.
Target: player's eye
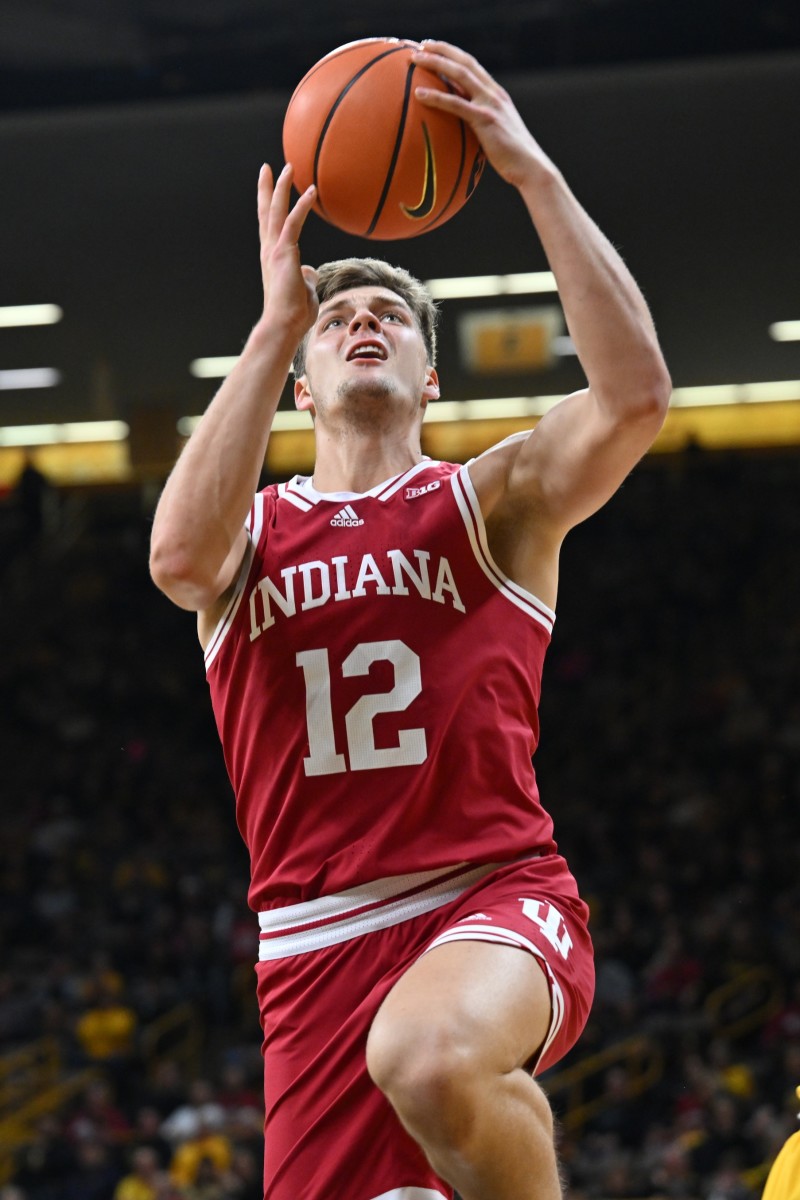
(331, 322)
(394, 316)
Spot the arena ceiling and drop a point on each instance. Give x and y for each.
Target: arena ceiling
(131, 132)
(90, 51)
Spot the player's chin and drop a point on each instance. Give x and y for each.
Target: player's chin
(367, 385)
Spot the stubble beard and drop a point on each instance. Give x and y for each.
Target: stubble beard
(364, 406)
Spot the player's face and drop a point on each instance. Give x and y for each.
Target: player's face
(366, 354)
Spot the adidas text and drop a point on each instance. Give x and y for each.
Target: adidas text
(347, 516)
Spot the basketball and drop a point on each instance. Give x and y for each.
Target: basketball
(385, 166)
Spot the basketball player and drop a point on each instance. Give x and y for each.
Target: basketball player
(374, 637)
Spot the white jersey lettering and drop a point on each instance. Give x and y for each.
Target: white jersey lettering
(267, 590)
(323, 595)
(446, 583)
(324, 582)
(369, 573)
(401, 565)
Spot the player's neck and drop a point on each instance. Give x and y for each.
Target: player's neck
(356, 464)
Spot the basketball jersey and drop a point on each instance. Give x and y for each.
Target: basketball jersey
(375, 681)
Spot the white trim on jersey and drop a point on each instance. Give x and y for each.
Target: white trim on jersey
(470, 510)
(300, 488)
(393, 485)
(314, 924)
(411, 1193)
(506, 441)
(463, 932)
(254, 524)
(290, 491)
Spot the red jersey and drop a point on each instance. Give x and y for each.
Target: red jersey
(375, 682)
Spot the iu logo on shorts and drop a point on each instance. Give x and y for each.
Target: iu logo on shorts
(551, 923)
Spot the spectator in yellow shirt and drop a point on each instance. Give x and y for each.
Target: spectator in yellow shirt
(144, 1180)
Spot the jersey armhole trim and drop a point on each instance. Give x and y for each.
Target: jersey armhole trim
(522, 436)
(469, 507)
(254, 526)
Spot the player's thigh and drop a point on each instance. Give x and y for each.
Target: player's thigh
(471, 1005)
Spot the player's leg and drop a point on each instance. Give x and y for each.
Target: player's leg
(449, 1048)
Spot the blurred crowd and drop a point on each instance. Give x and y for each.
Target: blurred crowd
(670, 760)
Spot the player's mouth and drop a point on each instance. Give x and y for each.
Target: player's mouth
(367, 352)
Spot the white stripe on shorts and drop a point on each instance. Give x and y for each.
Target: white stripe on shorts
(314, 924)
(463, 932)
(410, 1193)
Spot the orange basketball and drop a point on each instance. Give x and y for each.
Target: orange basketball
(384, 165)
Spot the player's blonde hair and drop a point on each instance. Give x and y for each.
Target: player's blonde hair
(345, 273)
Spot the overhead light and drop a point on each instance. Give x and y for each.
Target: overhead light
(687, 397)
(520, 283)
(785, 331)
(765, 392)
(70, 431)
(490, 410)
(213, 368)
(29, 314)
(29, 377)
(284, 421)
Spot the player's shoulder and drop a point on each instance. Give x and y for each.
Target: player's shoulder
(501, 452)
(491, 470)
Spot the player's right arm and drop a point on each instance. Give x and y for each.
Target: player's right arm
(198, 538)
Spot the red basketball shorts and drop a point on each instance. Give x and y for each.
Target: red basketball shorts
(325, 968)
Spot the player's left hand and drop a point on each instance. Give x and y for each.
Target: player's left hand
(289, 287)
(487, 107)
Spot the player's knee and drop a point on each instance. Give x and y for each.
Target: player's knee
(426, 1068)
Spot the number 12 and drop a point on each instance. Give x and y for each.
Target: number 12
(363, 754)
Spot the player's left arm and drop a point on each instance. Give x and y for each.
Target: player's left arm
(583, 448)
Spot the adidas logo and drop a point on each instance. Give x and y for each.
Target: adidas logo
(347, 516)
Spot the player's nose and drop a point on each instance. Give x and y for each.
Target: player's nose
(362, 319)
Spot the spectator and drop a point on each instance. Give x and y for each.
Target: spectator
(98, 1119)
(95, 1173)
(202, 1158)
(144, 1179)
(201, 1110)
(146, 1134)
(106, 1032)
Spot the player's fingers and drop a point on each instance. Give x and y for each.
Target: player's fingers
(296, 217)
(454, 63)
(265, 189)
(311, 275)
(450, 102)
(278, 207)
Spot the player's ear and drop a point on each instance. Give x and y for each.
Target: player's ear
(303, 400)
(431, 389)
